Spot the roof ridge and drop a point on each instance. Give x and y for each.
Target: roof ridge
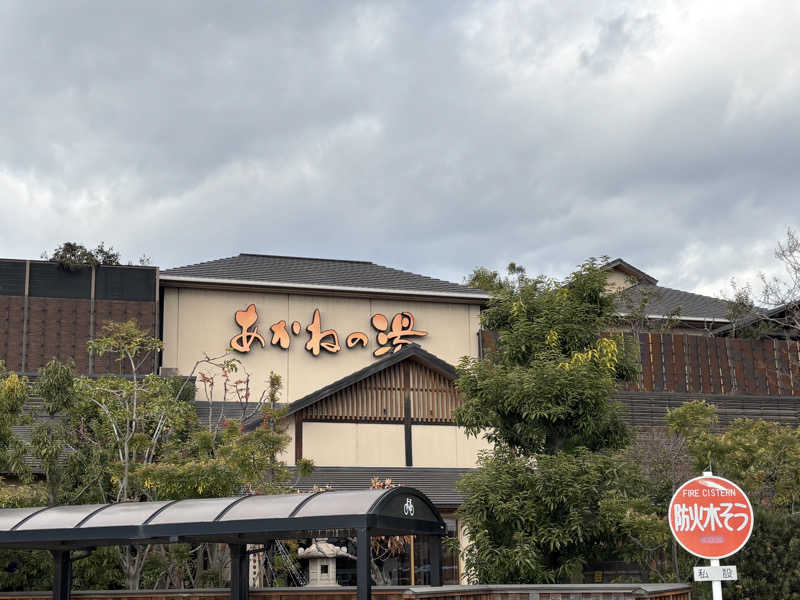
(338, 260)
(197, 264)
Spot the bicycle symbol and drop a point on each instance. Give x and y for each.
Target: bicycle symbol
(408, 508)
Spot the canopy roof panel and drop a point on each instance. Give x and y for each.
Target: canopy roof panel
(242, 519)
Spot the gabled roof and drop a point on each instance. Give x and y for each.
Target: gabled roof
(662, 301)
(410, 352)
(316, 273)
(625, 267)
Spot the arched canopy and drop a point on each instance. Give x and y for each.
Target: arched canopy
(239, 520)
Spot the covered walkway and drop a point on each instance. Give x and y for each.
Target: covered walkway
(236, 522)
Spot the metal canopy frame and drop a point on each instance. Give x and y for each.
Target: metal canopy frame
(236, 521)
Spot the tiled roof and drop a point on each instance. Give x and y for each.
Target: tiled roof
(438, 484)
(779, 313)
(212, 413)
(663, 300)
(317, 272)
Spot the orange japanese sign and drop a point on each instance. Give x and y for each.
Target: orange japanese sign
(390, 337)
(246, 319)
(401, 328)
(711, 517)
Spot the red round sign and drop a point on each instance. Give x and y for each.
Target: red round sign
(710, 517)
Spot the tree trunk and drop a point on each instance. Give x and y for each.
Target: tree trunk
(133, 559)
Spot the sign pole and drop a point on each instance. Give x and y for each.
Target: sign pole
(716, 584)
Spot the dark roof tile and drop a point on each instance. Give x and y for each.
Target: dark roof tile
(288, 270)
(663, 300)
(438, 484)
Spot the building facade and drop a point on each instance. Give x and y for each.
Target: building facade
(367, 357)
(366, 354)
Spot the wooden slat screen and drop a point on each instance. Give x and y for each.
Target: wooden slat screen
(433, 396)
(649, 409)
(379, 398)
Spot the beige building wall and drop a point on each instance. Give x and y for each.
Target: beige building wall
(383, 445)
(617, 280)
(354, 444)
(287, 456)
(445, 446)
(198, 322)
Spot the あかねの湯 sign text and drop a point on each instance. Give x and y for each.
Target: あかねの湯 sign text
(391, 335)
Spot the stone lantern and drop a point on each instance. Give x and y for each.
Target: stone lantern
(321, 557)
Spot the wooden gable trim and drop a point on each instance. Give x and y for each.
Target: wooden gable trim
(408, 393)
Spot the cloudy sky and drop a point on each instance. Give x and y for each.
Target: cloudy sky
(430, 136)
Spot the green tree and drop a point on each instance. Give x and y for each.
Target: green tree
(124, 422)
(220, 458)
(488, 280)
(764, 459)
(72, 255)
(533, 509)
(51, 436)
(767, 565)
(14, 393)
(137, 413)
(23, 570)
(132, 437)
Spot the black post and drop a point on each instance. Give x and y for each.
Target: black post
(436, 560)
(240, 579)
(363, 576)
(62, 574)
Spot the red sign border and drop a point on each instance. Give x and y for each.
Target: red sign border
(741, 491)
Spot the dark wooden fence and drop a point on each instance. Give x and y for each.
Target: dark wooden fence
(49, 312)
(681, 363)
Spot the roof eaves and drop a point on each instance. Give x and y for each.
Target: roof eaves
(681, 318)
(478, 295)
(750, 319)
(629, 269)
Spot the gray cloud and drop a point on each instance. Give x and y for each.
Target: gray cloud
(433, 137)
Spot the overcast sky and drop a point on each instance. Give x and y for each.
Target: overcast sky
(429, 136)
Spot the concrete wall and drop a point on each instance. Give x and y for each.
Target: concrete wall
(202, 321)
